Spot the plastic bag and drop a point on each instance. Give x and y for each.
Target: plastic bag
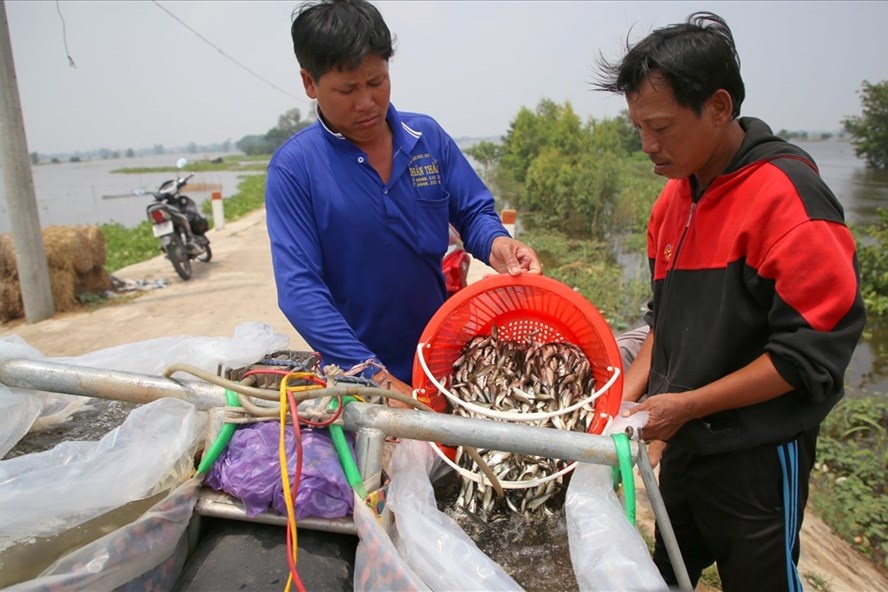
(249, 469)
(431, 543)
(147, 554)
(56, 500)
(17, 413)
(250, 342)
(378, 566)
(607, 552)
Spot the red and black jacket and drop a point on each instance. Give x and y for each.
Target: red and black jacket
(761, 262)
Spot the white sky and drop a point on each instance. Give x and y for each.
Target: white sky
(144, 79)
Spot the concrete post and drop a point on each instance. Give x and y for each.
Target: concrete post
(218, 211)
(509, 217)
(30, 254)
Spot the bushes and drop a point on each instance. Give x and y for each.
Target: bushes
(852, 495)
(873, 258)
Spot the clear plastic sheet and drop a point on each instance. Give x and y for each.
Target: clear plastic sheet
(606, 551)
(52, 502)
(430, 544)
(421, 543)
(146, 554)
(250, 342)
(378, 566)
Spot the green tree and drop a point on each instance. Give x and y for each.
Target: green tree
(487, 154)
(288, 124)
(873, 258)
(568, 174)
(869, 131)
(529, 134)
(35, 158)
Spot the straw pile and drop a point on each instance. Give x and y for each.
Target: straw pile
(75, 256)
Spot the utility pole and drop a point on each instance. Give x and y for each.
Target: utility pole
(30, 254)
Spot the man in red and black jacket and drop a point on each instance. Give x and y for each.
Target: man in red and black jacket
(755, 314)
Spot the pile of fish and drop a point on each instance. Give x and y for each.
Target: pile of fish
(520, 377)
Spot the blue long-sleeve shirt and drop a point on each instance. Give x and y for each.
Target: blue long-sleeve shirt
(357, 262)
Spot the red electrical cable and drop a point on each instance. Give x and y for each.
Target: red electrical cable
(297, 435)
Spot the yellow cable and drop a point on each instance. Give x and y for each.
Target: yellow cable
(282, 456)
(285, 478)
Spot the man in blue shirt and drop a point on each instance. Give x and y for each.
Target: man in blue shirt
(358, 204)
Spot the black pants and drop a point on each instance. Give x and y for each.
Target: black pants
(742, 510)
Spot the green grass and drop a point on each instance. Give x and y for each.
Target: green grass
(232, 162)
(849, 486)
(125, 246)
(589, 267)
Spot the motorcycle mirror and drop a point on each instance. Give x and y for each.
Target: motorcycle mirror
(139, 191)
(181, 163)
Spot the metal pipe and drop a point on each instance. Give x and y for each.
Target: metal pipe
(452, 430)
(218, 505)
(369, 447)
(55, 377)
(432, 427)
(659, 508)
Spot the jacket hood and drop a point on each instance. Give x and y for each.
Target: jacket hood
(760, 144)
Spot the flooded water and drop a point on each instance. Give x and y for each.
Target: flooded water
(533, 549)
(861, 192)
(87, 192)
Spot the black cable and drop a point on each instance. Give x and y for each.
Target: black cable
(65, 36)
(210, 43)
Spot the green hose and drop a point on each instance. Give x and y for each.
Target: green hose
(222, 439)
(624, 456)
(337, 434)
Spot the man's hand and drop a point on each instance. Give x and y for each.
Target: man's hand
(508, 255)
(389, 382)
(668, 412)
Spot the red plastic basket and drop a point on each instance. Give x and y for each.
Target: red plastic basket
(526, 306)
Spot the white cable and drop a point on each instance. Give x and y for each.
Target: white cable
(483, 480)
(504, 415)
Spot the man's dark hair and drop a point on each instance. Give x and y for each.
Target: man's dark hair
(696, 58)
(338, 34)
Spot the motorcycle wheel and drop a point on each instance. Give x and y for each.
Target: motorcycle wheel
(207, 254)
(178, 257)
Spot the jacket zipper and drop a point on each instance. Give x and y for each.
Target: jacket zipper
(667, 281)
(681, 240)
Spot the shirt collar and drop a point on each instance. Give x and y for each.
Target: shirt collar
(404, 136)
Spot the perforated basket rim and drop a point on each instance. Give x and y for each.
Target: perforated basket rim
(610, 400)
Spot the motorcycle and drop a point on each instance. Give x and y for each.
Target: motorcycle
(177, 222)
(455, 264)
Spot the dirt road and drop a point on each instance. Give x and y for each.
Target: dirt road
(238, 286)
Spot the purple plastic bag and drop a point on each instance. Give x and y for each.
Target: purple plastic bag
(249, 470)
